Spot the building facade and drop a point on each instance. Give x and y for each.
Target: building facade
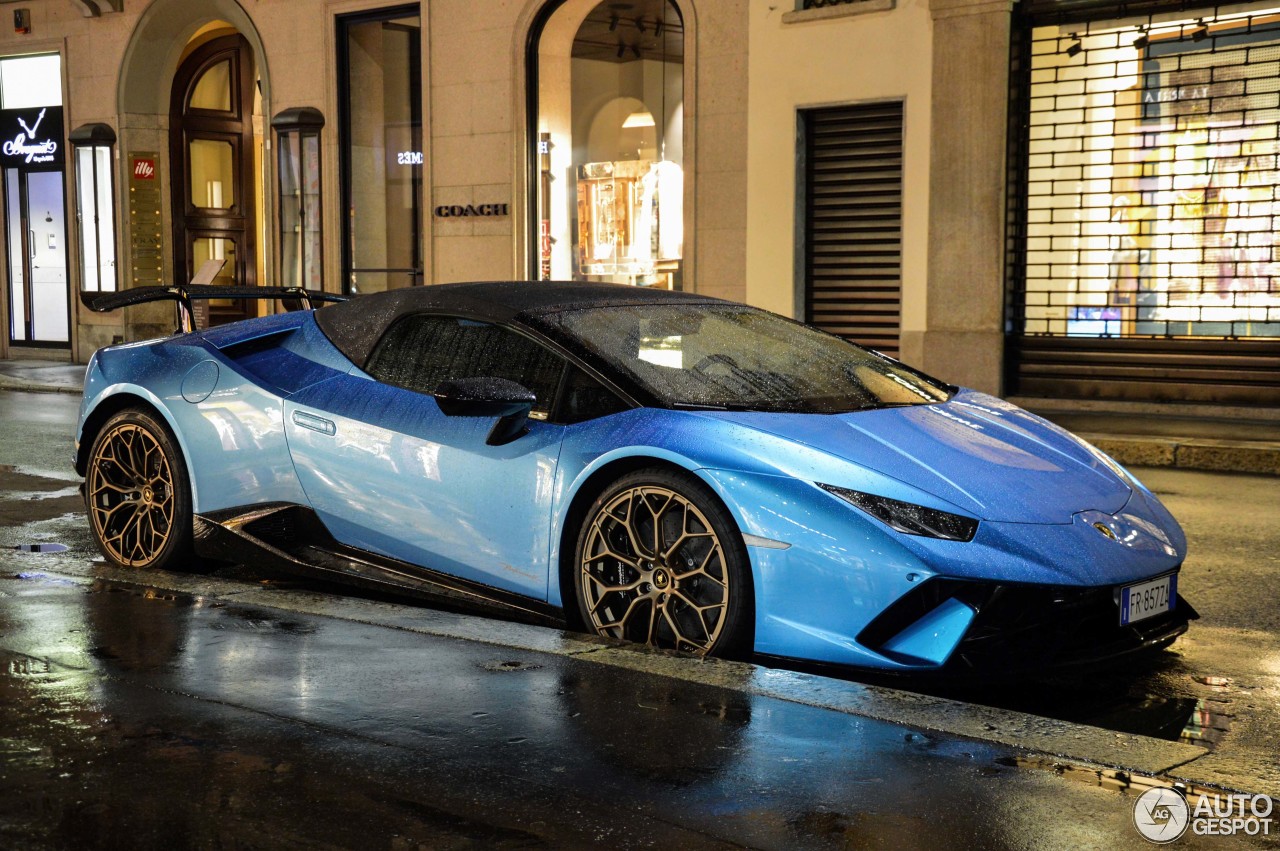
(1017, 198)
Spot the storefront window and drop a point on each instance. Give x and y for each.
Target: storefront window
(609, 130)
(33, 158)
(381, 126)
(95, 206)
(1153, 188)
(298, 146)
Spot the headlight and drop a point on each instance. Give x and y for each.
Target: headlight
(908, 518)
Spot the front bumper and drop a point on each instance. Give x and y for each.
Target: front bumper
(1029, 628)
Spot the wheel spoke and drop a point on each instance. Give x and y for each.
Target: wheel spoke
(675, 628)
(701, 570)
(700, 611)
(621, 622)
(606, 549)
(610, 589)
(628, 525)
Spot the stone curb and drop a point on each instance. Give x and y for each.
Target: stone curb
(23, 386)
(1232, 456)
(1055, 741)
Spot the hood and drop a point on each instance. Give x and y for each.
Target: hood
(988, 458)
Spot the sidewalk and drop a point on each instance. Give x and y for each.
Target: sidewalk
(42, 376)
(1240, 440)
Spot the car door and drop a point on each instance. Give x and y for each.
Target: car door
(387, 471)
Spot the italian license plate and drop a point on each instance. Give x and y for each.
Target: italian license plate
(1148, 599)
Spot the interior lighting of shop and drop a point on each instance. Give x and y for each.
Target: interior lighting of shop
(1172, 233)
(640, 118)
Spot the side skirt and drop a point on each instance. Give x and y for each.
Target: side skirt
(292, 538)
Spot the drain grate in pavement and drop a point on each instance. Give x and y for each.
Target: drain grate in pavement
(509, 666)
(40, 548)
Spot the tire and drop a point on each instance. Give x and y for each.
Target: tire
(138, 495)
(660, 561)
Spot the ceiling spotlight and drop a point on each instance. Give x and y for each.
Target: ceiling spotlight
(613, 22)
(657, 27)
(1201, 32)
(640, 25)
(1142, 40)
(1074, 48)
(635, 48)
(622, 48)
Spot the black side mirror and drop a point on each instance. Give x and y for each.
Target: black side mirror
(488, 397)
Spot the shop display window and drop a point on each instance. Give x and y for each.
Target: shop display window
(1153, 189)
(609, 184)
(380, 54)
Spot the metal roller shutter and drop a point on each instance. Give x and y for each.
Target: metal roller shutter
(853, 222)
(1144, 208)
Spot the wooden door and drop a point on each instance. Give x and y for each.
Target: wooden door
(211, 146)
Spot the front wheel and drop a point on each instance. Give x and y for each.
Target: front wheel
(661, 562)
(138, 495)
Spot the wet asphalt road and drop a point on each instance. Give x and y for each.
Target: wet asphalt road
(134, 719)
(140, 719)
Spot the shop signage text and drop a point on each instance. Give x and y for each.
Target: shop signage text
(144, 169)
(457, 211)
(1175, 95)
(31, 137)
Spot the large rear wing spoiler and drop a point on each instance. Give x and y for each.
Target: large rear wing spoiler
(184, 294)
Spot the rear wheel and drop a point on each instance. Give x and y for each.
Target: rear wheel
(138, 495)
(661, 562)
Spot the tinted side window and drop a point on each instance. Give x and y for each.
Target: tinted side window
(419, 352)
(585, 399)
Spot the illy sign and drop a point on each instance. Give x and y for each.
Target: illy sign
(31, 137)
(144, 168)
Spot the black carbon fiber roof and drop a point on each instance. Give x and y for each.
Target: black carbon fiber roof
(356, 326)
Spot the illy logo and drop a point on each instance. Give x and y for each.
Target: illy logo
(144, 169)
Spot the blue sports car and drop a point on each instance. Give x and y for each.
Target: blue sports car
(658, 467)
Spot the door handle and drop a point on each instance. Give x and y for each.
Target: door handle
(311, 421)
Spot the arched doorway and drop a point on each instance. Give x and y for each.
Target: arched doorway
(606, 185)
(212, 155)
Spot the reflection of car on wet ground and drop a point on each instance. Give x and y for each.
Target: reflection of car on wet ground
(659, 467)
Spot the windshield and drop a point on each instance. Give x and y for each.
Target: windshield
(738, 358)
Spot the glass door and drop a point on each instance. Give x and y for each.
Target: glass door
(39, 310)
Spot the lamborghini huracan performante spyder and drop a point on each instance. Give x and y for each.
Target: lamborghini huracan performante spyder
(658, 467)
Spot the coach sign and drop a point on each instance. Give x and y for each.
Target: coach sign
(458, 211)
(31, 138)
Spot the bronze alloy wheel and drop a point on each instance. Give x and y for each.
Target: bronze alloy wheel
(653, 568)
(135, 494)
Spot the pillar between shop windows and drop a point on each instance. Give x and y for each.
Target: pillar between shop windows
(963, 340)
